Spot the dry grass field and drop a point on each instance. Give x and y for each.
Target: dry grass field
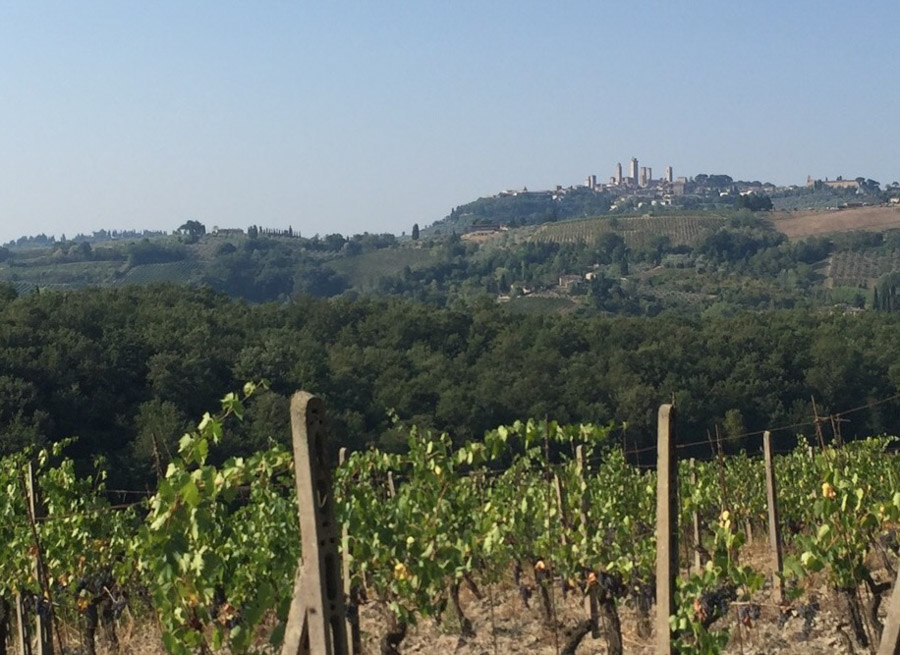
(797, 225)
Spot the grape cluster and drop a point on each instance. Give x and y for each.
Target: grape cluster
(783, 618)
(890, 541)
(642, 594)
(119, 604)
(517, 573)
(34, 604)
(748, 613)
(610, 585)
(808, 613)
(714, 604)
(525, 594)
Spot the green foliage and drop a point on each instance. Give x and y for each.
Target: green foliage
(522, 208)
(722, 578)
(754, 202)
(854, 504)
(219, 565)
(217, 544)
(193, 228)
(153, 252)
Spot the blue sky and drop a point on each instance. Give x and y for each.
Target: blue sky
(370, 116)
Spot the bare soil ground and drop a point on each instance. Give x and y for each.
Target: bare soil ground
(797, 225)
(513, 629)
(503, 625)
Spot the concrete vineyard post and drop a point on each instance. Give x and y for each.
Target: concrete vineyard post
(774, 526)
(24, 639)
(666, 526)
(43, 625)
(354, 639)
(317, 619)
(591, 602)
(890, 637)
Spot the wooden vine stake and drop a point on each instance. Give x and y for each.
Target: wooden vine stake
(666, 527)
(774, 521)
(695, 521)
(317, 619)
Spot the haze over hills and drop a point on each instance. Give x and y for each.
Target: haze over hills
(231, 202)
(707, 243)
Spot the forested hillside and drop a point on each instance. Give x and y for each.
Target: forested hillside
(708, 263)
(127, 370)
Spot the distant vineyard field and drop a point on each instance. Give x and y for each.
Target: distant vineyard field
(208, 246)
(176, 272)
(73, 275)
(855, 269)
(363, 271)
(23, 287)
(637, 231)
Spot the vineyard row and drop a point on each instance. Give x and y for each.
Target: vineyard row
(212, 555)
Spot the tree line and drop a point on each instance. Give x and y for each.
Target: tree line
(127, 370)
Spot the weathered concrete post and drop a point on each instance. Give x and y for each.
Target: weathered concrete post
(890, 636)
(317, 619)
(591, 600)
(354, 643)
(666, 526)
(24, 639)
(43, 625)
(774, 520)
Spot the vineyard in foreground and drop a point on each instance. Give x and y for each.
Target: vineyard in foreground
(536, 510)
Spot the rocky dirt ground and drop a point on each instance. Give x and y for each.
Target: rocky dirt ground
(513, 629)
(502, 625)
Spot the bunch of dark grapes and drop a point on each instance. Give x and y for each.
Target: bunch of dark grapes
(525, 594)
(542, 572)
(642, 594)
(43, 608)
(748, 613)
(714, 604)
(120, 602)
(890, 541)
(783, 617)
(808, 613)
(517, 573)
(610, 585)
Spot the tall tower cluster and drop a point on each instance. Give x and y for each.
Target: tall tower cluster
(639, 177)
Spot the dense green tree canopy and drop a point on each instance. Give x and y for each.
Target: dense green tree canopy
(125, 370)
